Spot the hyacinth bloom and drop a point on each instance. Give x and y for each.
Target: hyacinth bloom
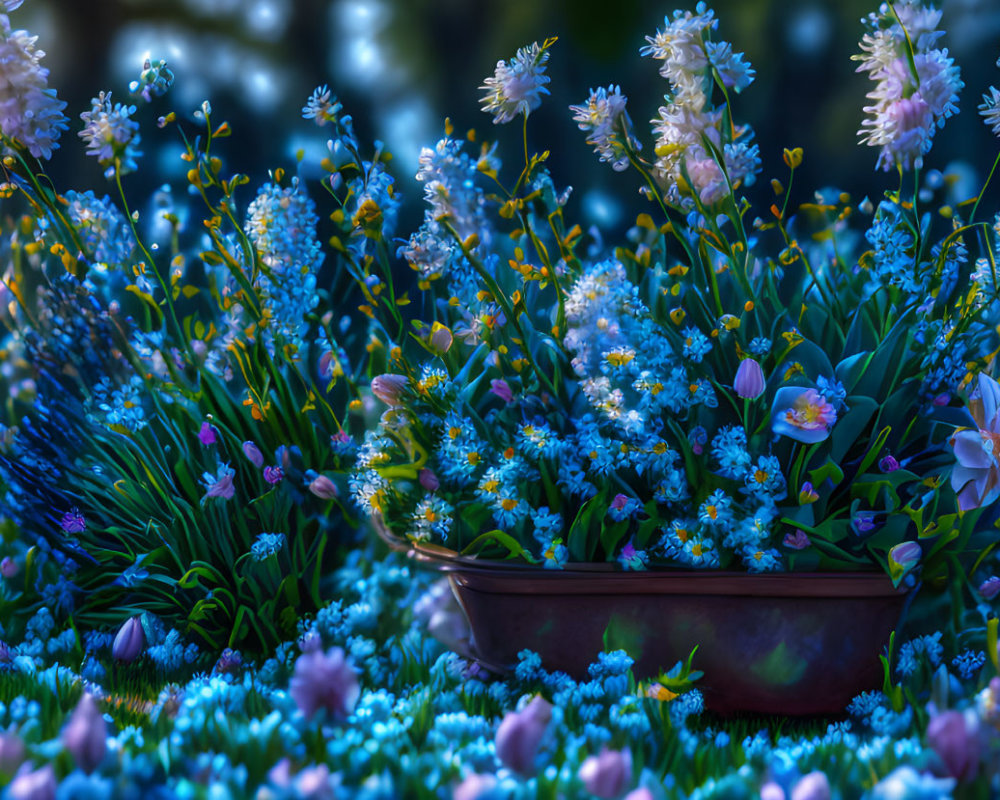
(85, 735)
(802, 414)
(749, 381)
(325, 680)
(520, 735)
(976, 476)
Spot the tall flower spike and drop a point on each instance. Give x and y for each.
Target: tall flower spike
(29, 110)
(916, 87)
(517, 86)
(607, 125)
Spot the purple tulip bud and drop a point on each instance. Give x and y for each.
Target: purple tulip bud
(749, 381)
(428, 480)
(207, 434)
(389, 388)
(130, 641)
(37, 785)
(475, 787)
(501, 389)
(905, 554)
(813, 786)
(954, 736)
(323, 488)
(12, 752)
(888, 464)
(520, 735)
(606, 775)
(251, 451)
(85, 735)
(990, 588)
(8, 567)
(772, 791)
(325, 680)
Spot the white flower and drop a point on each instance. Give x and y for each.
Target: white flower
(29, 110)
(518, 85)
(605, 119)
(990, 109)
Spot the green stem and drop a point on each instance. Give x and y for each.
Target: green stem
(983, 190)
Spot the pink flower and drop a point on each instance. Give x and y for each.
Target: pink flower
(606, 775)
(520, 735)
(954, 736)
(8, 567)
(85, 735)
(802, 414)
(812, 786)
(38, 785)
(273, 475)
(324, 680)
(976, 476)
(389, 388)
(323, 488)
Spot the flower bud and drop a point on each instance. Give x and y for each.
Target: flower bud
(207, 434)
(501, 389)
(989, 588)
(389, 388)
(888, 464)
(441, 337)
(251, 451)
(607, 774)
(520, 735)
(8, 567)
(812, 786)
(85, 735)
(428, 480)
(905, 554)
(323, 488)
(130, 641)
(38, 785)
(954, 736)
(749, 382)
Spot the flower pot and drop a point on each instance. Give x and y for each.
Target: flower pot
(785, 643)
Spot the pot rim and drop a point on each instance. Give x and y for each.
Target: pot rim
(515, 577)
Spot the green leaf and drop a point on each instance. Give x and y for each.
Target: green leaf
(850, 370)
(612, 535)
(585, 532)
(850, 426)
(829, 470)
(513, 547)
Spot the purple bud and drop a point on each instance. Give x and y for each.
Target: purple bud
(954, 736)
(501, 389)
(990, 588)
(324, 680)
(130, 641)
(323, 488)
(389, 388)
(441, 337)
(520, 735)
(607, 774)
(906, 554)
(428, 480)
(812, 786)
(888, 464)
(273, 475)
(37, 785)
(12, 752)
(749, 381)
(8, 567)
(251, 451)
(207, 434)
(85, 735)
(797, 541)
(73, 522)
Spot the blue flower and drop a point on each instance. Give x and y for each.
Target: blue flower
(266, 545)
(111, 135)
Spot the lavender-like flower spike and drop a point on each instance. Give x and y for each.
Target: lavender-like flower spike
(916, 88)
(517, 86)
(606, 122)
(29, 110)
